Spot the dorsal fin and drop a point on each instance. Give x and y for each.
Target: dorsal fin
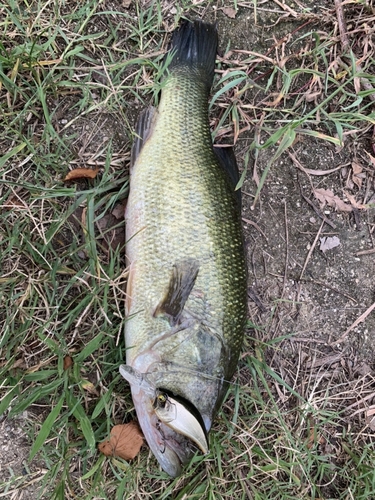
(143, 131)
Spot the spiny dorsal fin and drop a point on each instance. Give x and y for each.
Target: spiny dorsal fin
(182, 281)
(143, 131)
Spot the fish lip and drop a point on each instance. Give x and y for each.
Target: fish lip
(178, 417)
(170, 461)
(169, 438)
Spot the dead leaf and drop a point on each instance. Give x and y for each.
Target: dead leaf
(356, 177)
(89, 387)
(370, 418)
(119, 210)
(15, 202)
(371, 158)
(329, 242)
(357, 84)
(326, 197)
(354, 203)
(81, 173)
(125, 441)
(229, 12)
(126, 3)
(68, 362)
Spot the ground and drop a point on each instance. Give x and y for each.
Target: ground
(299, 419)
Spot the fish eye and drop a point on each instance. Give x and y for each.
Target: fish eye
(161, 400)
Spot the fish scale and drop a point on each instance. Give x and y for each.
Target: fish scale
(182, 209)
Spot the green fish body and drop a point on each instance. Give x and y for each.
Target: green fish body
(186, 293)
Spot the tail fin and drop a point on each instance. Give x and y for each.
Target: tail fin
(194, 45)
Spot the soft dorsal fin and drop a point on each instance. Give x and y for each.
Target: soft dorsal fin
(182, 281)
(143, 131)
(228, 162)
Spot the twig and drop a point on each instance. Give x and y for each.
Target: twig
(286, 8)
(331, 288)
(248, 221)
(342, 25)
(356, 323)
(311, 251)
(327, 360)
(365, 252)
(286, 250)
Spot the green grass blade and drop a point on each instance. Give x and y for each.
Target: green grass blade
(46, 428)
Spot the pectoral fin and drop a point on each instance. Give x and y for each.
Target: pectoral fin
(179, 288)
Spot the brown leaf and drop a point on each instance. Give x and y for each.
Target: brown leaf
(68, 362)
(356, 177)
(14, 202)
(326, 197)
(119, 210)
(354, 203)
(126, 3)
(371, 158)
(125, 441)
(357, 84)
(229, 12)
(82, 173)
(370, 418)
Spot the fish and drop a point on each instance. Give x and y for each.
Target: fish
(186, 288)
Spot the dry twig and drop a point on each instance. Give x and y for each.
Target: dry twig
(359, 320)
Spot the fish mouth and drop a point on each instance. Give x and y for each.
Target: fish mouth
(173, 428)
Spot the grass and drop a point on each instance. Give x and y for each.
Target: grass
(73, 79)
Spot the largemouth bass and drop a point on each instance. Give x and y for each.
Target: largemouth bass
(186, 291)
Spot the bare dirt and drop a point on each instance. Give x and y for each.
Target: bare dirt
(297, 291)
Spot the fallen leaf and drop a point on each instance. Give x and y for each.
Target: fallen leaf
(326, 197)
(105, 223)
(229, 12)
(126, 3)
(370, 418)
(357, 84)
(354, 202)
(125, 441)
(89, 387)
(371, 158)
(82, 173)
(68, 362)
(14, 202)
(119, 210)
(329, 242)
(356, 177)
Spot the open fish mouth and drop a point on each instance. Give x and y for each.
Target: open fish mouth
(172, 426)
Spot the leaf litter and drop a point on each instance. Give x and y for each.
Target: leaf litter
(125, 441)
(329, 242)
(327, 197)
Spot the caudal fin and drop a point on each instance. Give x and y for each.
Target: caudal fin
(194, 45)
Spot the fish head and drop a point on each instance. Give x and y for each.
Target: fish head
(172, 431)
